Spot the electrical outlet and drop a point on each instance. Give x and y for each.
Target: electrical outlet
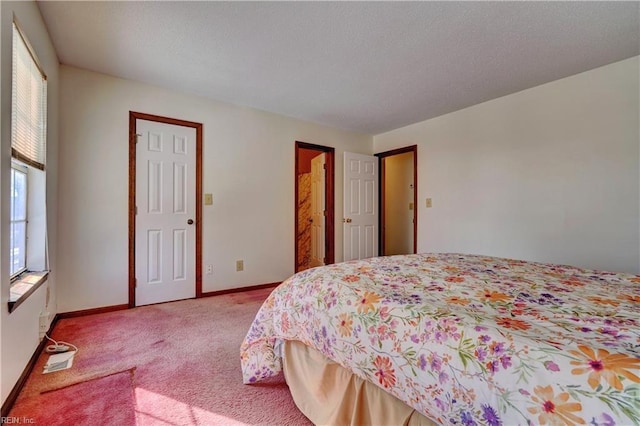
(239, 265)
(44, 324)
(209, 269)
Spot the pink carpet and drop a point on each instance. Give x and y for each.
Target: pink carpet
(68, 406)
(170, 364)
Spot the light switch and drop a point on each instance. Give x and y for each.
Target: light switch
(208, 199)
(428, 202)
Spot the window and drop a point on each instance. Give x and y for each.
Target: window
(18, 229)
(28, 105)
(28, 229)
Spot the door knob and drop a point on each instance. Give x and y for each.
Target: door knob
(347, 220)
(190, 222)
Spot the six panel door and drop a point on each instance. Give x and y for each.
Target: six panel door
(166, 205)
(360, 220)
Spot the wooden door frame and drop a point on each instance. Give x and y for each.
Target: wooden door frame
(329, 182)
(381, 192)
(133, 116)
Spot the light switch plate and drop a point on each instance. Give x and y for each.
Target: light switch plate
(428, 202)
(208, 199)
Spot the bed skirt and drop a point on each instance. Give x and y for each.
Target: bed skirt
(328, 394)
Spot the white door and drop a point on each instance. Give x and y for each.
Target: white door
(166, 206)
(317, 210)
(360, 220)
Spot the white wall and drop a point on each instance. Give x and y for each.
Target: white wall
(19, 336)
(248, 165)
(548, 174)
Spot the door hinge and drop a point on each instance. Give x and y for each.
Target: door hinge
(135, 283)
(136, 209)
(324, 166)
(137, 136)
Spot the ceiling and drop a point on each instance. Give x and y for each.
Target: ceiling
(364, 66)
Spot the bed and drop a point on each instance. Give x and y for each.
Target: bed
(465, 339)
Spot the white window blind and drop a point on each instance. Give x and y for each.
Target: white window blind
(29, 105)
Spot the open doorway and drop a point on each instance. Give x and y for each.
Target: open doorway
(314, 205)
(398, 201)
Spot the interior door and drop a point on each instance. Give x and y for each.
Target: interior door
(165, 219)
(360, 220)
(318, 197)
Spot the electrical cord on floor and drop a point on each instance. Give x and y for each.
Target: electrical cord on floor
(59, 347)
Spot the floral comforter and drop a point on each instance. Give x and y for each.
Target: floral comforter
(466, 339)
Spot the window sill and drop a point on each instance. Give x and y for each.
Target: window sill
(25, 285)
